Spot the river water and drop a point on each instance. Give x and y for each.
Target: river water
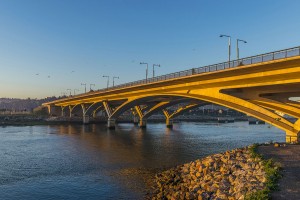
(92, 162)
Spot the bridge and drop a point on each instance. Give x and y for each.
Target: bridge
(262, 86)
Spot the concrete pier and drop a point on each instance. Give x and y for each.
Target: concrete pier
(169, 123)
(86, 119)
(111, 123)
(143, 123)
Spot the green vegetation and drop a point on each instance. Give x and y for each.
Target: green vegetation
(272, 170)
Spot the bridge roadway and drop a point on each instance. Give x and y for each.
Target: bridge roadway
(260, 86)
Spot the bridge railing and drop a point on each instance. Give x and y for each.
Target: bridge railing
(286, 53)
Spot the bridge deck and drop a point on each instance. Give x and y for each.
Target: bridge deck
(259, 86)
(182, 75)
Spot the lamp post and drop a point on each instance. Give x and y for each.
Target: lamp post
(70, 91)
(107, 81)
(229, 47)
(237, 48)
(91, 86)
(84, 87)
(153, 69)
(143, 63)
(75, 91)
(114, 80)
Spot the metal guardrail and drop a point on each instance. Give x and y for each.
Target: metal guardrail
(286, 53)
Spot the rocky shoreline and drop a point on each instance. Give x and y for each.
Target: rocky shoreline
(232, 175)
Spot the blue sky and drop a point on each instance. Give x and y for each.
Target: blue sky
(111, 37)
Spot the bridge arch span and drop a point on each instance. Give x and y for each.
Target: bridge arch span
(132, 102)
(249, 108)
(258, 109)
(216, 97)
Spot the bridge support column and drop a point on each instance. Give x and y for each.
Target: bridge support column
(169, 123)
(63, 111)
(143, 123)
(71, 109)
(111, 123)
(86, 119)
(94, 114)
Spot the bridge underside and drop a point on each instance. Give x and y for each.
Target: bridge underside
(266, 91)
(267, 103)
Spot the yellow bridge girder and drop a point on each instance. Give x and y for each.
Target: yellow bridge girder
(260, 90)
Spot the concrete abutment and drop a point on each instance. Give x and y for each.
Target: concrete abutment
(291, 137)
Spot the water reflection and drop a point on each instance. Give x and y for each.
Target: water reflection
(74, 156)
(158, 146)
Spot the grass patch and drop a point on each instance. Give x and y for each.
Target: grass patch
(272, 172)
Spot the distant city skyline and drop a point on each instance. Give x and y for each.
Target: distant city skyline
(52, 47)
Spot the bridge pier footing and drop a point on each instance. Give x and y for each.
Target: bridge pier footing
(169, 123)
(86, 119)
(143, 123)
(111, 123)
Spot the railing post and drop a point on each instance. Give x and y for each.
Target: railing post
(285, 53)
(273, 55)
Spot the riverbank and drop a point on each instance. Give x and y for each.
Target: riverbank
(235, 174)
(289, 158)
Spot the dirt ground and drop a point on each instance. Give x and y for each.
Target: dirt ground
(289, 157)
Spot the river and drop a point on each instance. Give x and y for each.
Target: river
(92, 162)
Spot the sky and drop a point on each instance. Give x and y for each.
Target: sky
(49, 46)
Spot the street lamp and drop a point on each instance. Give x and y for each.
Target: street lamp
(75, 91)
(114, 80)
(143, 63)
(229, 47)
(153, 69)
(70, 91)
(237, 48)
(91, 86)
(107, 81)
(84, 87)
